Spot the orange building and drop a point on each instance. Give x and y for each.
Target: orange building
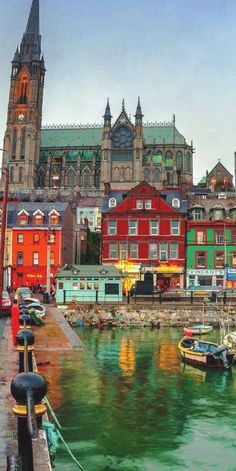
(43, 239)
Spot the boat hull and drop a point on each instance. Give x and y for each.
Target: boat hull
(199, 330)
(203, 359)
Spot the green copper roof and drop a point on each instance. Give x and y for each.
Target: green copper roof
(71, 137)
(203, 181)
(92, 136)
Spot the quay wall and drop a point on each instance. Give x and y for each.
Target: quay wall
(167, 315)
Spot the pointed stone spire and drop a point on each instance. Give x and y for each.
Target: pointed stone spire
(30, 48)
(138, 115)
(107, 116)
(16, 57)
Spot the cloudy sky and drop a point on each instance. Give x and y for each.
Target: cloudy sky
(179, 56)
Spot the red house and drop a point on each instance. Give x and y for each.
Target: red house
(42, 241)
(145, 233)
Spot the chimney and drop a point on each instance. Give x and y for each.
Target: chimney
(107, 188)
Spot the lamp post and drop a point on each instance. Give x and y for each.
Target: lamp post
(3, 227)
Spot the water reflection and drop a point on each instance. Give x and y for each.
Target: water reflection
(129, 404)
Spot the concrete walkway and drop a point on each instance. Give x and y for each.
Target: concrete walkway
(8, 422)
(54, 335)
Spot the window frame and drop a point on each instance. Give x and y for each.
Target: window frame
(172, 228)
(152, 245)
(109, 228)
(154, 230)
(35, 259)
(133, 231)
(18, 258)
(162, 251)
(217, 253)
(18, 237)
(176, 251)
(205, 258)
(131, 251)
(114, 250)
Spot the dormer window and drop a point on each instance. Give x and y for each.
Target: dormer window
(176, 203)
(197, 213)
(217, 213)
(23, 217)
(112, 202)
(54, 217)
(38, 217)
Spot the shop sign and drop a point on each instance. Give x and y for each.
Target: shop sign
(169, 269)
(231, 274)
(206, 272)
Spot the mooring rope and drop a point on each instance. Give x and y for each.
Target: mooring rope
(60, 435)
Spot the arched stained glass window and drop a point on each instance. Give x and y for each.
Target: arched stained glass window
(146, 174)
(86, 178)
(23, 142)
(156, 174)
(71, 178)
(179, 160)
(14, 143)
(41, 179)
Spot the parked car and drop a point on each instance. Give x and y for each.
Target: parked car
(24, 291)
(6, 303)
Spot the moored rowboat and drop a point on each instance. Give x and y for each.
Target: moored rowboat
(200, 353)
(199, 329)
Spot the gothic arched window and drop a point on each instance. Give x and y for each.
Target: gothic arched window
(156, 174)
(23, 141)
(41, 179)
(86, 177)
(11, 175)
(71, 178)
(179, 159)
(14, 143)
(169, 155)
(146, 174)
(188, 163)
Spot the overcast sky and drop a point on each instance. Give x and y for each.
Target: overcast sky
(178, 55)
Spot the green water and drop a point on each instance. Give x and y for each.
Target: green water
(127, 404)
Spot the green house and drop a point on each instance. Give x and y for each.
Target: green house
(88, 283)
(210, 252)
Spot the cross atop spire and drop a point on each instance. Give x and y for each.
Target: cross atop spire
(123, 104)
(30, 48)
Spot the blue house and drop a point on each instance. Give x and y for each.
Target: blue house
(88, 283)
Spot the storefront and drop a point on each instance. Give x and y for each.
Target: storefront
(170, 276)
(131, 272)
(205, 277)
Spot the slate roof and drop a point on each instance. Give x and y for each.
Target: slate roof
(13, 210)
(118, 195)
(88, 271)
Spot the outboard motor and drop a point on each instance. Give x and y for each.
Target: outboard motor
(221, 352)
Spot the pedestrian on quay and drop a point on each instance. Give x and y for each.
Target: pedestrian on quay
(15, 325)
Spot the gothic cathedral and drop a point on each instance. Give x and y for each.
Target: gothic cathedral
(85, 157)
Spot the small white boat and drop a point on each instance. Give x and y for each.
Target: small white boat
(230, 340)
(198, 329)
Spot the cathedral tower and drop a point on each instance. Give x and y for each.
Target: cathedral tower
(22, 136)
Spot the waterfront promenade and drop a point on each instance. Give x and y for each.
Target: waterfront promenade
(54, 335)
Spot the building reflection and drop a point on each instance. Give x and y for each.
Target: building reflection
(127, 356)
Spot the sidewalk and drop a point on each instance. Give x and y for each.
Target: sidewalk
(8, 422)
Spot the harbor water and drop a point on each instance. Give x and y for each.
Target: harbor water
(127, 403)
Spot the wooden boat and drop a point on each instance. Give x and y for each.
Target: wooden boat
(200, 353)
(199, 329)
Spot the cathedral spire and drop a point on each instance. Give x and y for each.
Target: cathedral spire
(138, 115)
(107, 116)
(30, 48)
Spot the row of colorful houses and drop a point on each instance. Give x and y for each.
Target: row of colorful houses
(183, 239)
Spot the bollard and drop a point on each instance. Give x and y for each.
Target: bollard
(224, 297)
(28, 390)
(24, 321)
(191, 300)
(25, 347)
(128, 297)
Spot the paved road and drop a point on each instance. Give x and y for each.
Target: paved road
(3, 321)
